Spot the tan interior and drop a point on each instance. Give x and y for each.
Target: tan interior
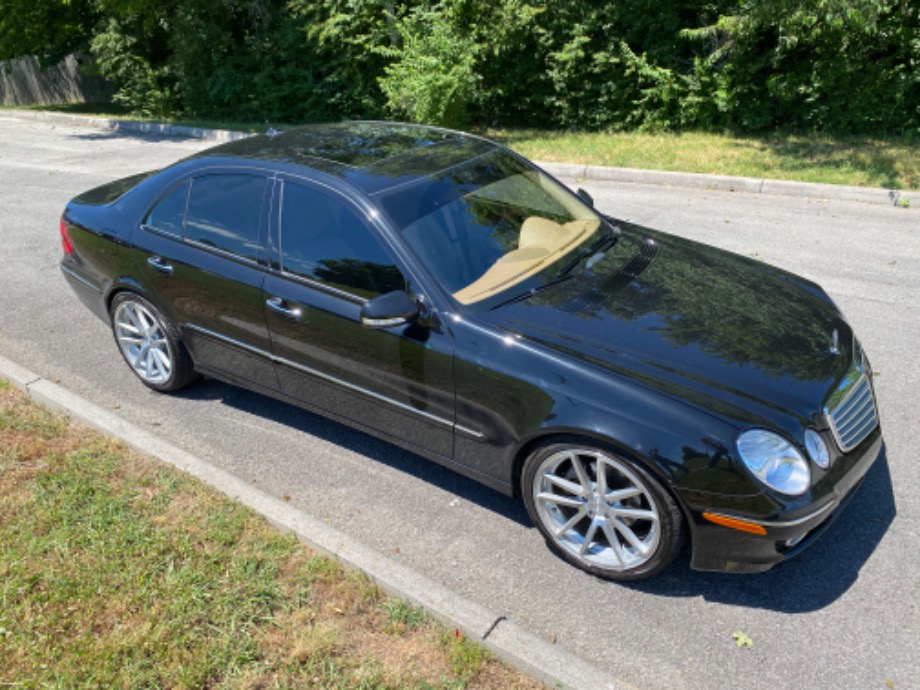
(541, 242)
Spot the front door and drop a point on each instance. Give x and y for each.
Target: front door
(397, 382)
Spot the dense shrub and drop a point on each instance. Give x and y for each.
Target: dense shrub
(747, 65)
(431, 77)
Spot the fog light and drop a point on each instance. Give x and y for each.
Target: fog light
(817, 449)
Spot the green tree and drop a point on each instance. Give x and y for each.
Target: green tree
(48, 29)
(748, 65)
(843, 65)
(432, 78)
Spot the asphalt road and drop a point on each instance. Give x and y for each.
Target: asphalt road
(843, 615)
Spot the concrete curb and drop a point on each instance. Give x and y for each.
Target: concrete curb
(727, 183)
(869, 195)
(519, 648)
(114, 125)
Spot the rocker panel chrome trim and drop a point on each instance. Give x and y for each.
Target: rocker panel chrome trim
(333, 379)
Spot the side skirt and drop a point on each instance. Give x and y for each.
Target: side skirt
(466, 471)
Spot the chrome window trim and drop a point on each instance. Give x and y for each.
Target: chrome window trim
(222, 253)
(322, 287)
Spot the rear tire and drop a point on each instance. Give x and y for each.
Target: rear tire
(150, 344)
(601, 512)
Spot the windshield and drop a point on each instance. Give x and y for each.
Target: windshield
(488, 224)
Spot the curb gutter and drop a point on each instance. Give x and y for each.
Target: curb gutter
(519, 648)
(725, 183)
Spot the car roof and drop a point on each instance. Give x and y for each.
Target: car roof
(372, 156)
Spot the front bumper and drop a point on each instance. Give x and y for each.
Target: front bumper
(719, 548)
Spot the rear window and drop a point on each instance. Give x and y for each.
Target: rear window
(224, 213)
(112, 191)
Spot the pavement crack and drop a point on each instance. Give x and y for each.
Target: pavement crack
(493, 626)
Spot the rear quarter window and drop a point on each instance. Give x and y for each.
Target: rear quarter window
(169, 213)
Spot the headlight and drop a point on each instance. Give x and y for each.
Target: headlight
(817, 449)
(774, 461)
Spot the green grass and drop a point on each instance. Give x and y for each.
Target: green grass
(116, 571)
(889, 162)
(404, 616)
(466, 657)
(861, 161)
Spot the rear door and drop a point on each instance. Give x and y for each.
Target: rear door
(201, 255)
(331, 259)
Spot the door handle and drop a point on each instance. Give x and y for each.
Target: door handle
(157, 263)
(280, 307)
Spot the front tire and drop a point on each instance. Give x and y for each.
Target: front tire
(150, 344)
(601, 512)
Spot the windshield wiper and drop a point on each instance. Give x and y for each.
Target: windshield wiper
(597, 249)
(533, 291)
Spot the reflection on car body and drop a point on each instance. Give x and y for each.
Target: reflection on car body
(636, 389)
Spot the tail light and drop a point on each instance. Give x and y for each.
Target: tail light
(65, 238)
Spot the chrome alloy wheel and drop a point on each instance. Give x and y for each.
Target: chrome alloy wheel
(143, 342)
(597, 509)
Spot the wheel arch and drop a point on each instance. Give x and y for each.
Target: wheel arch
(121, 285)
(546, 437)
(549, 436)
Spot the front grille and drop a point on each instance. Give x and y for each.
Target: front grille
(854, 416)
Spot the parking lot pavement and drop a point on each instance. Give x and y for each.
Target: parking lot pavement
(842, 615)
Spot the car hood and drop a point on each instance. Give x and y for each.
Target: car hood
(745, 341)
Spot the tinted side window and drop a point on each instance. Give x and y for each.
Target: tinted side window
(324, 239)
(223, 212)
(169, 212)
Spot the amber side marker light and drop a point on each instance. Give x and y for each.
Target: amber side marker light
(735, 523)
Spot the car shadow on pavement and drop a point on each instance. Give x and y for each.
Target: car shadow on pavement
(812, 580)
(809, 582)
(365, 444)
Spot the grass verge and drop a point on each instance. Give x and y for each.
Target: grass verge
(892, 162)
(116, 571)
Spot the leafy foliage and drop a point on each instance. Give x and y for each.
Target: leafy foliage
(844, 65)
(432, 77)
(49, 29)
(745, 65)
(145, 85)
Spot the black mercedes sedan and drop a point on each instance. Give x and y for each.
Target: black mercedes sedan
(637, 390)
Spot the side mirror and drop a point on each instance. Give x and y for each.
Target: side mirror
(392, 309)
(584, 196)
